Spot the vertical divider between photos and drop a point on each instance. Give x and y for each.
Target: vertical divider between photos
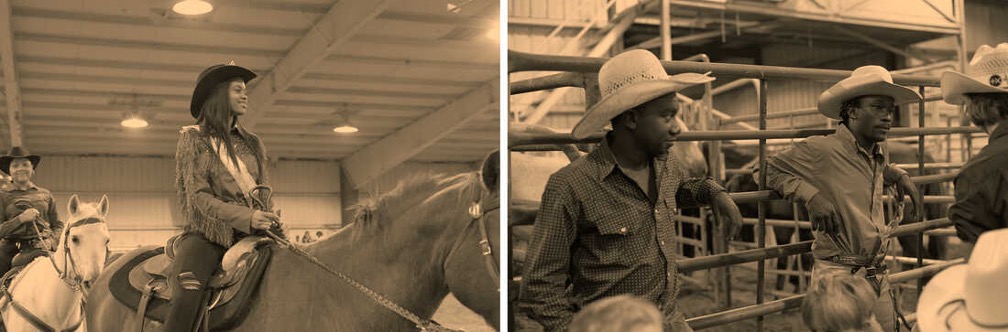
(762, 205)
(921, 117)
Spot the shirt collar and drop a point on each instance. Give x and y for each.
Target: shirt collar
(604, 161)
(14, 186)
(847, 136)
(1001, 131)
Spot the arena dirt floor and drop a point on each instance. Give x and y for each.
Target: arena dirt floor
(697, 302)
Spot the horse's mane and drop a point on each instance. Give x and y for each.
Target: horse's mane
(381, 209)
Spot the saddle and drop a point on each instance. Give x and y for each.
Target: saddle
(142, 283)
(19, 262)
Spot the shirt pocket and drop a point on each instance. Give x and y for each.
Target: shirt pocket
(616, 237)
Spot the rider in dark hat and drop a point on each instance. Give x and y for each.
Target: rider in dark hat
(217, 163)
(28, 212)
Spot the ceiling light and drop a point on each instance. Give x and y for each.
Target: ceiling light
(345, 129)
(455, 6)
(344, 126)
(192, 7)
(133, 120)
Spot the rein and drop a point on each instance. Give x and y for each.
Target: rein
(261, 200)
(75, 283)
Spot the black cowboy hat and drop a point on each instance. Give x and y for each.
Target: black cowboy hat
(18, 152)
(209, 79)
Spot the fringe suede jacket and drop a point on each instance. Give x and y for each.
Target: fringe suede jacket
(212, 202)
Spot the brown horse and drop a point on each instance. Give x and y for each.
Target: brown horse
(398, 246)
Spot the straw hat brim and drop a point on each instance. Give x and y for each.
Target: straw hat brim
(955, 85)
(832, 98)
(207, 83)
(631, 96)
(941, 306)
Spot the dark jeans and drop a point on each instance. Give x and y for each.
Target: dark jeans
(196, 260)
(8, 249)
(12, 254)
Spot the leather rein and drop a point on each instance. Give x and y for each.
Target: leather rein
(260, 198)
(74, 282)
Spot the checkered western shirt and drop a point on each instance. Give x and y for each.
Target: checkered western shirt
(597, 235)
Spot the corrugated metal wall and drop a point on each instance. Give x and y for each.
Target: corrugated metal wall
(144, 208)
(143, 204)
(532, 38)
(985, 21)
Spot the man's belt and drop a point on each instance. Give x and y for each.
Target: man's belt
(857, 261)
(23, 244)
(874, 268)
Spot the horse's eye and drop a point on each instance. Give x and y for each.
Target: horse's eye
(74, 239)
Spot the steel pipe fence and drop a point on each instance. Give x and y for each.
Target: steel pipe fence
(519, 138)
(577, 68)
(521, 61)
(756, 310)
(752, 255)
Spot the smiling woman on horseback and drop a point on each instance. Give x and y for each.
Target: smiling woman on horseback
(30, 221)
(218, 162)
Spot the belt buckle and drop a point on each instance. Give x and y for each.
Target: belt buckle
(872, 271)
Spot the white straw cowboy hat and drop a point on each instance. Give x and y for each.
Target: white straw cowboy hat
(628, 80)
(866, 80)
(970, 297)
(986, 73)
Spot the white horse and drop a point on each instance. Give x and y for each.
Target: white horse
(47, 295)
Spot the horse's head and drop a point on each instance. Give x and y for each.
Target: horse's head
(472, 264)
(83, 246)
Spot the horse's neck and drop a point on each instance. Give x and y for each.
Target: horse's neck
(41, 291)
(406, 266)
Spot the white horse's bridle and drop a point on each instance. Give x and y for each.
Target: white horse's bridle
(74, 281)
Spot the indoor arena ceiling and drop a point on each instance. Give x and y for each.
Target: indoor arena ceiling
(418, 79)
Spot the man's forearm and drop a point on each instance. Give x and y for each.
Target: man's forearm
(790, 186)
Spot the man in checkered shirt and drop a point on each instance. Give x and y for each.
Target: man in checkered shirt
(605, 226)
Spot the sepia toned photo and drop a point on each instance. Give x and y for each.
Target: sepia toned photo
(250, 165)
(737, 165)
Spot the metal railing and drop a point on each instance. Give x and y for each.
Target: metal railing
(519, 61)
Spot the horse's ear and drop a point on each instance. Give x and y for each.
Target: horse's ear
(491, 171)
(103, 205)
(74, 204)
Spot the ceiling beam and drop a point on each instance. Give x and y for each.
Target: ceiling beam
(909, 53)
(389, 61)
(217, 50)
(447, 18)
(333, 29)
(160, 21)
(12, 93)
(379, 157)
(699, 36)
